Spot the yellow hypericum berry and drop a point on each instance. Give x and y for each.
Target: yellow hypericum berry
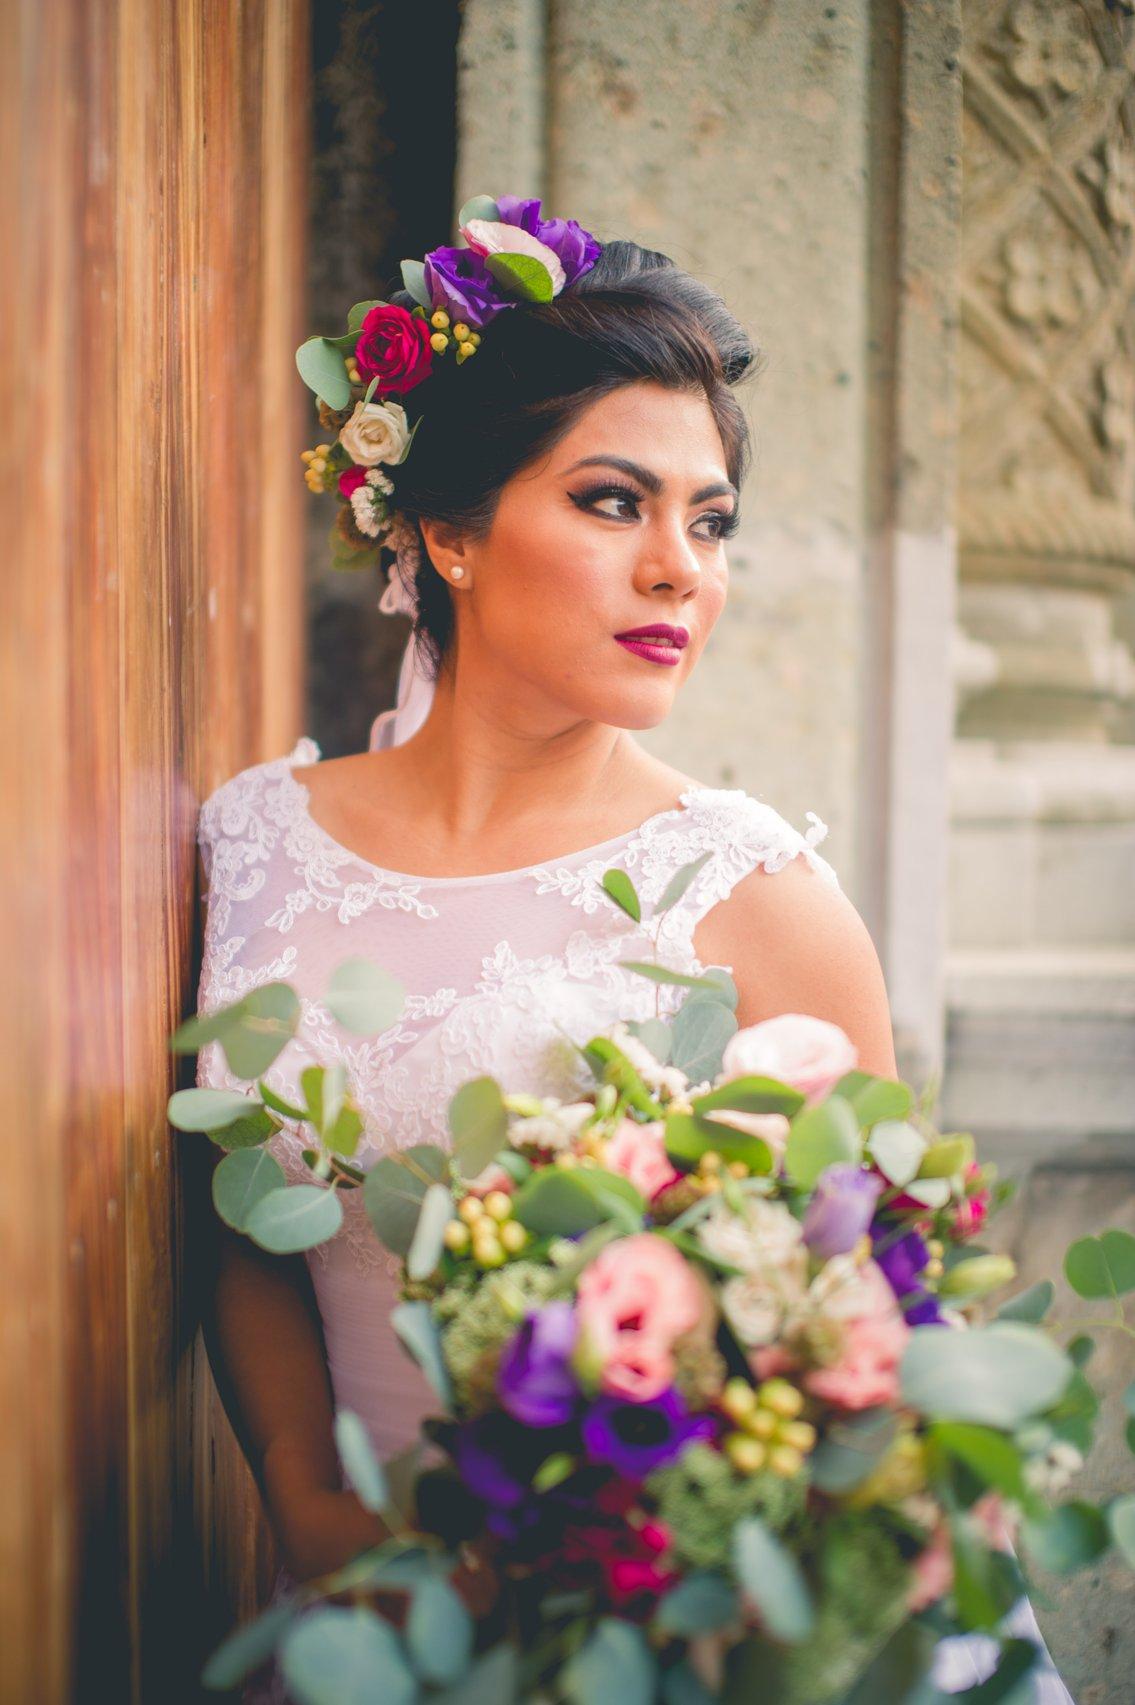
(461, 331)
(801, 1435)
(488, 1252)
(782, 1398)
(318, 465)
(710, 1162)
(762, 1423)
(738, 1400)
(323, 449)
(746, 1454)
(439, 343)
(456, 1236)
(471, 1209)
(935, 1247)
(513, 1236)
(738, 1169)
(785, 1461)
(933, 1269)
(498, 1203)
(567, 1160)
(439, 318)
(466, 347)
(307, 455)
(475, 339)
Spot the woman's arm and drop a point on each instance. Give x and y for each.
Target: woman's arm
(265, 1343)
(797, 944)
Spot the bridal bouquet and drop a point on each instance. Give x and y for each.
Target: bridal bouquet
(724, 1411)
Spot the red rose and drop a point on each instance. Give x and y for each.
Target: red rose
(394, 348)
(351, 480)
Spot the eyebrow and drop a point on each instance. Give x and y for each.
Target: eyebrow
(652, 481)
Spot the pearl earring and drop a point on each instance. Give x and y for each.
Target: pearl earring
(457, 571)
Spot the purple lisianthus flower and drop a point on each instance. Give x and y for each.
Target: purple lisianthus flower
(459, 281)
(576, 249)
(636, 1438)
(841, 1209)
(534, 1380)
(903, 1261)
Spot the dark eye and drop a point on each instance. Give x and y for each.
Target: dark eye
(622, 493)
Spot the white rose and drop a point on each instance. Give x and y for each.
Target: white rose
(494, 237)
(766, 1239)
(556, 1128)
(376, 432)
(754, 1307)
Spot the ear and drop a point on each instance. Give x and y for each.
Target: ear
(446, 544)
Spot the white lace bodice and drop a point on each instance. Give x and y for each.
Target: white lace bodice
(496, 970)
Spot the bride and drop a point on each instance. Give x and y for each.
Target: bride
(572, 487)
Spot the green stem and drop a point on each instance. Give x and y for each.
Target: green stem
(1118, 1324)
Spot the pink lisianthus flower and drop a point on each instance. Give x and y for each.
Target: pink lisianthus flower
(970, 1214)
(638, 1152)
(808, 1053)
(633, 1302)
(866, 1371)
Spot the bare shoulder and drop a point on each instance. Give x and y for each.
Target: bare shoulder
(798, 944)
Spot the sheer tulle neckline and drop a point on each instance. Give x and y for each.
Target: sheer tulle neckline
(302, 797)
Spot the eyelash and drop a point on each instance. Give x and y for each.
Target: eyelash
(728, 523)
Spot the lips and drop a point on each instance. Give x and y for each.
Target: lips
(658, 633)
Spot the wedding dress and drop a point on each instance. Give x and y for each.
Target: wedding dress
(502, 972)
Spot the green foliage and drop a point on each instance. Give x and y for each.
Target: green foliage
(701, 1496)
(852, 1448)
(997, 1376)
(416, 1327)
(622, 890)
(478, 1120)
(751, 1094)
(208, 1110)
(1066, 1538)
(703, 1601)
(875, 1098)
(521, 275)
(323, 369)
(655, 1034)
(1030, 1305)
(689, 1136)
(562, 1204)
(394, 1189)
(479, 1322)
(335, 1656)
(247, 1648)
(819, 1137)
(615, 1664)
(772, 1578)
(1102, 1266)
(296, 1218)
(364, 998)
(479, 207)
(363, 1468)
(439, 1632)
(989, 1454)
(701, 1030)
(426, 1245)
(1121, 1520)
(414, 281)
(680, 881)
(241, 1180)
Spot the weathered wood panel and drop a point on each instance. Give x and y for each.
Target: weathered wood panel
(151, 611)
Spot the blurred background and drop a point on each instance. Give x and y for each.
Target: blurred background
(925, 212)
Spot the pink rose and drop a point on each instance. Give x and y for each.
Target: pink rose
(638, 1152)
(351, 480)
(808, 1053)
(969, 1217)
(394, 348)
(633, 1302)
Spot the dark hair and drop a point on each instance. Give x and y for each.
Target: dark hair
(633, 316)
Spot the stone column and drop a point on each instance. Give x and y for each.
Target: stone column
(1043, 853)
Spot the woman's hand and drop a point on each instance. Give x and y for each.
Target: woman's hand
(323, 1530)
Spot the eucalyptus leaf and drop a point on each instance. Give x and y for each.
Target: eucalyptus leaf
(394, 1188)
(771, 1577)
(343, 1133)
(611, 1065)
(358, 312)
(323, 370)
(239, 1182)
(427, 1242)
(332, 1094)
(897, 1148)
(479, 207)
(478, 1120)
(1121, 1520)
(299, 1217)
(615, 1665)
(414, 282)
(1031, 1305)
(247, 1132)
(357, 1454)
(681, 1685)
(947, 1156)
(989, 1454)
(492, 1679)
(267, 1021)
(851, 1449)
(700, 1603)
(751, 1093)
(662, 974)
(416, 1327)
(821, 1136)
(207, 1109)
(689, 1135)
(195, 1033)
(521, 275)
(277, 1103)
(655, 1034)
(876, 1098)
(439, 1632)
(364, 998)
(621, 889)
(247, 1648)
(553, 1203)
(997, 1376)
(336, 1656)
(1066, 1538)
(680, 881)
(701, 1030)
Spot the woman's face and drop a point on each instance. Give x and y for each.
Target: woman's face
(578, 554)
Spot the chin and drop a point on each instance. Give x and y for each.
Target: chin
(637, 710)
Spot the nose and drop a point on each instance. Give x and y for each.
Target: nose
(668, 560)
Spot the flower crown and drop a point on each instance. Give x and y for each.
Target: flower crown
(512, 256)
